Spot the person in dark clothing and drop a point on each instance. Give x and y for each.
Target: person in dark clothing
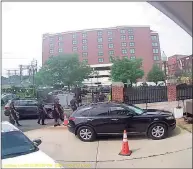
(96, 98)
(13, 114)
(73, 104)
(41, 113)
(57, 113)
(101, 97)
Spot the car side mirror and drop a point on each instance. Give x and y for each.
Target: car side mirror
(37, 142)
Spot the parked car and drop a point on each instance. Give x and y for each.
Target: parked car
(6, 97)
(26, 108)
(112, 118)
(18, 151)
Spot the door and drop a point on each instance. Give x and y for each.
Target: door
(120, 119)
(32, 107)
(20, 106)
(139, 121)
(98, 118)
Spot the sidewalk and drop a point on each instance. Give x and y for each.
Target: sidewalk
(64, 147)
(163, 105)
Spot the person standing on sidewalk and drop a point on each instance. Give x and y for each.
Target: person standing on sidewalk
(101, 97)
(41, 113)
(13, 114)
(56, 112)
(73, 104)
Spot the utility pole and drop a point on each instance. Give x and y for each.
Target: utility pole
(8, 72)
(21, 73)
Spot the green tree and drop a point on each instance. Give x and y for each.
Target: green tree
(65, 69)
(155, 75)
(125, 69)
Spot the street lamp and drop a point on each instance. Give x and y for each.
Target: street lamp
(164, 67)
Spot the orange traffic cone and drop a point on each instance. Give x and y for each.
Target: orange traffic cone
(125, 146)
(65, 120)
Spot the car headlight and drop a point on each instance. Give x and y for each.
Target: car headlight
(170, 118)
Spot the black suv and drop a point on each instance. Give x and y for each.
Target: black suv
(113, 118)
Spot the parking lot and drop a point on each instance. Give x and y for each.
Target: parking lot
(66, 149)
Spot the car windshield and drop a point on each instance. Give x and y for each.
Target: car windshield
(14, 144)
(134, 108)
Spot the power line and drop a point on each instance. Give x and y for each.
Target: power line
(14, 58)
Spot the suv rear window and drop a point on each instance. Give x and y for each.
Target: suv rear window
(25, 102)
(82, 112)
(99, 111)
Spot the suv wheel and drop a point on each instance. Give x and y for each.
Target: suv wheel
(157, 131)
(86, 134)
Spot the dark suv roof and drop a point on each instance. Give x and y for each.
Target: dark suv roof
(95, 105)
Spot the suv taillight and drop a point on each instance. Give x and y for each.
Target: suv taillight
(6, 108)
(71, 118)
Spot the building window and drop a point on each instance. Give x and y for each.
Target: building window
(130, 31)
(84, 54)
(99, 33)
(131, 37)
(51, 45)
(100, 40)
(155, 51)
(123, 37)
(60, 50)
(111, 52)
(125, 57)
(84, 47)
(122, 31)
(51, 50)
(60, 43)
(132, 57)
(110, 39)
(153, 37)
(60, 38)
(84, 35)
(154, 44)
(74, 48)
(110, 33)
(156, 57)
(132, 51)
(100, 53)
(74, 42)
(131, 44)
(100, 46)
(74, 36)
(85, 60)
(124, 51)
(51, 39)
(100, 60)
(111, 45)
(123, 44)
(84, 41)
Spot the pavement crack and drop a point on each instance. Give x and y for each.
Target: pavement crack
(96, 155)
(135, 158)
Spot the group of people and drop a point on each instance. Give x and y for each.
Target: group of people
(58, 113)
(99, 97)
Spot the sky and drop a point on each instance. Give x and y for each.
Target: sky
(24, 23)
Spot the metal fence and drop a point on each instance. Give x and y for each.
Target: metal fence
(145, 94)
(184, 92)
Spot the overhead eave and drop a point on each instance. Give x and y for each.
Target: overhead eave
(178, 11)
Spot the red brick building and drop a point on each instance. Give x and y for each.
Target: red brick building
(95, 46)
(181, 63)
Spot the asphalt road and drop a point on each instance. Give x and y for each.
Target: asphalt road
(29, 124)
